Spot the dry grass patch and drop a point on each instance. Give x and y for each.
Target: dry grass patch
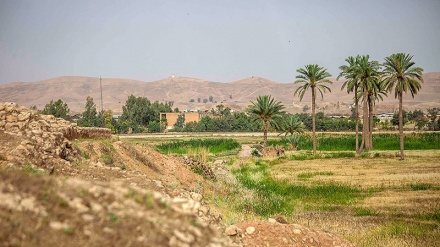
(402, 206)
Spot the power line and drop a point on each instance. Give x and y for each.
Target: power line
(100, 85)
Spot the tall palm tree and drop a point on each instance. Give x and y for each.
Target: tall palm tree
(368, 74)
(313, 77)
(403, 77)
(352, 84)
(267, 109)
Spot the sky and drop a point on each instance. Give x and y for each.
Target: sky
(216, 40)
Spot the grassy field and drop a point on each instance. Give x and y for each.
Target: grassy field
(381, 141)
(375, 201)
(371, 200)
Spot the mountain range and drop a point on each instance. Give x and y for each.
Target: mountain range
(185, 93)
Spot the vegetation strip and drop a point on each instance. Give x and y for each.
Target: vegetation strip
(214, 146)
(282, 197)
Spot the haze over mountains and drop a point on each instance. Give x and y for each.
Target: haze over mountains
(237, 95)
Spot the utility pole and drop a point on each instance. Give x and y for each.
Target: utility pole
(100, 85)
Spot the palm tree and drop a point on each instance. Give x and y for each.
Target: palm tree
(368, 73)
(313, 77)
(268, 110)
(352, 84)
(403, 77)
(291, 125)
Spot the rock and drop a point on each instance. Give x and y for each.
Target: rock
(250, 230)
(196, 196)
(87, 217)
(9, 106)
(297, 231)
(184, 237)
(23, 116)
(232, 230)
(56, 225)
(204, 209)
(281, 220)
(219, 162)
(272, 220)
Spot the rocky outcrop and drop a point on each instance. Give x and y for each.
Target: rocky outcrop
(40, 138)
(51, 211)
(200, 168)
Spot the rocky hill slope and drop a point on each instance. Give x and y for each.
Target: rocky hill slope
(105, 192)
(181, 90)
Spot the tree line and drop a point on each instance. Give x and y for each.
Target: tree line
(368, 80)
(138, 115)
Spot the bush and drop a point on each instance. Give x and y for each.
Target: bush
(107, 159)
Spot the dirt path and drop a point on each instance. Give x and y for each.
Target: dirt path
(246, 151)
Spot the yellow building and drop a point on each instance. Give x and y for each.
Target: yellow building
(170, 118)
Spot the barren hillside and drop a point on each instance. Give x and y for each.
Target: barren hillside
(237, 95)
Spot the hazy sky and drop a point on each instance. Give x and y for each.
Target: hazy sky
(215, 40)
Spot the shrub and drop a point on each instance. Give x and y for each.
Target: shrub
(107, 159)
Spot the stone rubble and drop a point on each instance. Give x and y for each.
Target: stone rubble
(197, 165)
(43, 138)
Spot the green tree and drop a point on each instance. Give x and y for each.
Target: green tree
(306, 108)
(139, 112)
(418, 118)
(154, 127)
(136, 111)
(180, 123)
(57, 109)
(313, 77)
(107, 117)
(433, 112)
(395, 119)
(89, 116)
(268, 110)
(291, 125)
(401, 76)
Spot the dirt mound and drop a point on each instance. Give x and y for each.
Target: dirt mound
(46, 211)
(274, 233)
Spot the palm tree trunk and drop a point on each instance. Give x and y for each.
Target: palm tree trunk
(402, 155)
(356, 113)
(370, 122)
(365, 122)
(313, 120)
(265, 127)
